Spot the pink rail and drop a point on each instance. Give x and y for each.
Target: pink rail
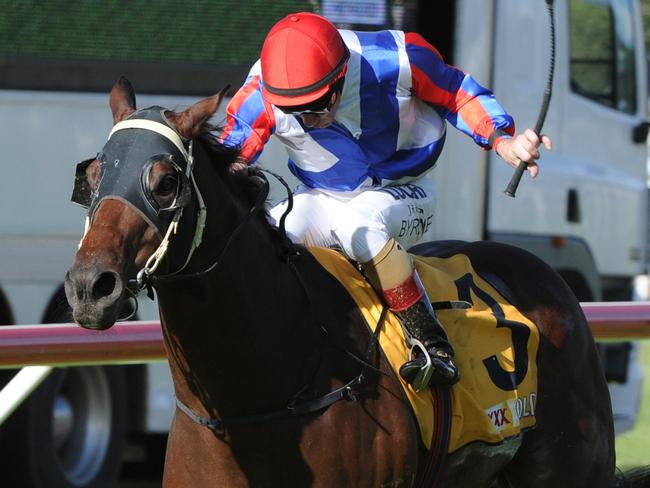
(618, 320)
(139, 342)
(68, 344)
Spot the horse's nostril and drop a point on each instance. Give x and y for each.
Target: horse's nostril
(72, 287)
(104, 285)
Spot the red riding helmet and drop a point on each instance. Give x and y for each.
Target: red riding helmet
(303, 54)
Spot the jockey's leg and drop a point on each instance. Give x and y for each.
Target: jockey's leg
(367, 229)
(310, 220)
(392, 272)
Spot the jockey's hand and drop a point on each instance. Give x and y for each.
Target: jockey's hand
(523, 147)
(238, 165)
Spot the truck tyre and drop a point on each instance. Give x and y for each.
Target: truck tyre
(70, 433)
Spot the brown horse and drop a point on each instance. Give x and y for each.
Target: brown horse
(263, 343)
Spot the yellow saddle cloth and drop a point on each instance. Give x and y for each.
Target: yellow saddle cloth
(495, 348)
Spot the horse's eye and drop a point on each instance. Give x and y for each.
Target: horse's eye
(168, 185)
(163, 184)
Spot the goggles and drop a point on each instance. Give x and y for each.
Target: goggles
(318, 108)
(309, 110)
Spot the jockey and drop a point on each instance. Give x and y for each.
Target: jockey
(363, 118)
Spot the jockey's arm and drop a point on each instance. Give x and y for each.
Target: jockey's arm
(249, 121)
(468, 106)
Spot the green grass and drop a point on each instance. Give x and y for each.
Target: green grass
(633, 447)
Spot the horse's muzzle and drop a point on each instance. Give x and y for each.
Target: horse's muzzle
(94, 296)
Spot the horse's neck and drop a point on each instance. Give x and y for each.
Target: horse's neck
(238, 330)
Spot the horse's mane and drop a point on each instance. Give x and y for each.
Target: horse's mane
(221, 154)
(245, 184)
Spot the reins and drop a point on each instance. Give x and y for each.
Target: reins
(146, 279)
(346, 392)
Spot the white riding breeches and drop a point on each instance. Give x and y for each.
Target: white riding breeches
(361, 222)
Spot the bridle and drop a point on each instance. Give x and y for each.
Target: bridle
(148, 279)
(147, 276)
(125, 161)
(143, 276)
(162, 140)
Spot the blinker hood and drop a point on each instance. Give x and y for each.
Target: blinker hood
(125, 162)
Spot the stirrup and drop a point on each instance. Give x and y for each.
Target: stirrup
(423, 377)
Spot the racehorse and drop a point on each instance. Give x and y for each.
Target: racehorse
(263, 343)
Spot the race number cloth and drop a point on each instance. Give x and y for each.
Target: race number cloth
(495, 347)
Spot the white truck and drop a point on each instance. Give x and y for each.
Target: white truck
(586, 214)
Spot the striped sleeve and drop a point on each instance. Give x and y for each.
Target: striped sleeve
(467, 105)
(249, 120)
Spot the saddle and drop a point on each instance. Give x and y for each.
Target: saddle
(495, 348)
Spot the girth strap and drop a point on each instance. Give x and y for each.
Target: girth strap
(436, 463)
(346, 392)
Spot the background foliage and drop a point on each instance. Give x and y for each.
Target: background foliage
(206, 31)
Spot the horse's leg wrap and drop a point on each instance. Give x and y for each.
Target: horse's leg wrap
(430, 360)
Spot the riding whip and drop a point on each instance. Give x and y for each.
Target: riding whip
(511, 189)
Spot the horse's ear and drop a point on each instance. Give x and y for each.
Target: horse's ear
(189, 122)
(122, 99)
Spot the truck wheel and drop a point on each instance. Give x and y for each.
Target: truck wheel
(70, 433)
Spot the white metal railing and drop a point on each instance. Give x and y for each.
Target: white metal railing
(37, 349)
(20, 387)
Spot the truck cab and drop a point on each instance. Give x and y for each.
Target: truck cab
(586, 214)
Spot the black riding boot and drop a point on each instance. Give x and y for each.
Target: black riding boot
(422, 324)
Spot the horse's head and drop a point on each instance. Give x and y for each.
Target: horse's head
(135, 190)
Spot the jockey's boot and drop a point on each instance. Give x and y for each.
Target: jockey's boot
(430, 362)
(438, 369)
